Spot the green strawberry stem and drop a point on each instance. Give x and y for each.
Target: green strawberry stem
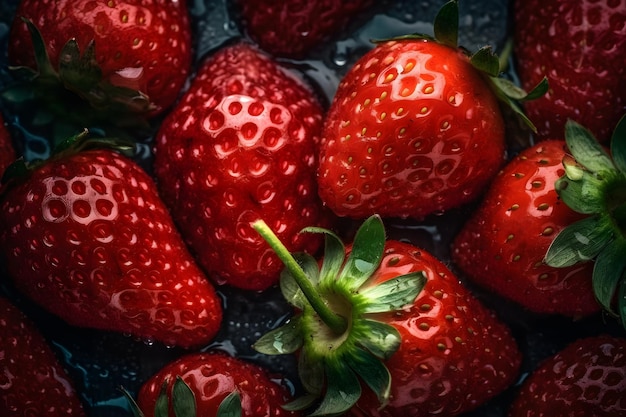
(595, 184)
(334, 321)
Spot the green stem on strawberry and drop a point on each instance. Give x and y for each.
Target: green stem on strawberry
(335, 356)
(595, 184)
(335, 322)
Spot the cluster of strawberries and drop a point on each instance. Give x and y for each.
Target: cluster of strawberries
(251, 175)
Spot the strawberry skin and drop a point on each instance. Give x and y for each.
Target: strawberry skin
(448, 340)
(503, 244)
(211, 377)
(32, 380)
(7, 152)
(293, 28)
(413, 129)
(240, 143)
(579, 46)
(144, 45)
(587, 378)
(87, 237)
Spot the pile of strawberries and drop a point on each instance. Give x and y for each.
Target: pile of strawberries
(442, 233)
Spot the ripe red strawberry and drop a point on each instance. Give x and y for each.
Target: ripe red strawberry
(587, 378)
(32, 380)
(293, 28)
(86, 236)
(211, 378)
(414, 128)
(240, 143)
(395, 318)
(126, 58)
(7, 152)
(579, 46)
(503, 245)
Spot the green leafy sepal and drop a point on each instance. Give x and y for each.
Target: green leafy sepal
(76, 96)
(595, 184)
(338, 356)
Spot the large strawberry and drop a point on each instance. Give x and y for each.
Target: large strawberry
(86, 236)
(594, 184)
(579, 46)
(415, 126)
(32, 380)
(503, 244)
(7, 151)
(213, 384)
(389, 316)
(586, 378)
(124, 57)
(294, 28)
(241, 144)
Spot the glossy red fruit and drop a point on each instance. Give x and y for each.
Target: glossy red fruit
(7, 152)
(503, 245)
(587, 378)
(413, 129)
(213, 376)
(241, 144)
(32, 380)
(86, 236)
(141, 44)
(449, 341)
(579, 46)
(294, 28)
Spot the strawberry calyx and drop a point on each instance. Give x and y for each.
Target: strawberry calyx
(183, 402)
(21, 168)
(59, 96)
(340, 342)
(595, 184)
(485, 60)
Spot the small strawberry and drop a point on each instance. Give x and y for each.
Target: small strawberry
(579, 46)
(32, 380)
(502, 246)
(415, 126)
(586, 378)
(594, 185)
(393, 318)
(86, 237)
(7, 152)
(240, 143)
(213, 384)
(294, 28)
(126, 58)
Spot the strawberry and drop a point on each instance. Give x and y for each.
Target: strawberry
(218, 383)
(579, 46)
(240, 143)
(86, 237)
(294, 28)
(586, 378)
(415, 127)
(394, 317)
(32, 380)
(594, 185)
(502, 246)
(126, 58)
(7, 152)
